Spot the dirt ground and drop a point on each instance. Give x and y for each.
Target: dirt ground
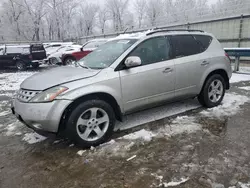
(216, 155)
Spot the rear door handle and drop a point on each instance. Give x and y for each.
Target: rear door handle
(204, 63)
(167, 70)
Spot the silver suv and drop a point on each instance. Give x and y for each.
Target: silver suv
(123, 76)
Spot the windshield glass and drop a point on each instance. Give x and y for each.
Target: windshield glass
(106, 54)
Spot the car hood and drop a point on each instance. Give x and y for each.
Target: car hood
(56, 76)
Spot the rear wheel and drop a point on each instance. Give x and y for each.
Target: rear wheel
(213, 91)
(91, 123)
(69, 61)
(21, 66)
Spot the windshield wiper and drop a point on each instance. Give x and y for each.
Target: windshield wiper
(83, 66)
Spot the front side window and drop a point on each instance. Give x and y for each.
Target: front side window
(185, 45)
(106, 54)
(153, 50)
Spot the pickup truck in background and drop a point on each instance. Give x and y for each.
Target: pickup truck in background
(21, 56)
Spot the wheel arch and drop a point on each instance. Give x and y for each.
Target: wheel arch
(99, 95)
(221, 72)
(67, 56)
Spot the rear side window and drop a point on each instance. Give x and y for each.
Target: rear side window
(204, 41)
(35, 48)
(185, 45)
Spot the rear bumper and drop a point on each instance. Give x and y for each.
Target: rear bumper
(41, 117)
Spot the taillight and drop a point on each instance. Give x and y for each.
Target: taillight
(228, 56)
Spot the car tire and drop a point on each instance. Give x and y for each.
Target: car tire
(53, 61)
(91, 123)
(213, 91)
(35, 66)
(69, 61)
(21, 66)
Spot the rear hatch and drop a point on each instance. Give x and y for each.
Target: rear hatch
(37, 51)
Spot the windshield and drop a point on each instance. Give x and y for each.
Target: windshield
(106, 54)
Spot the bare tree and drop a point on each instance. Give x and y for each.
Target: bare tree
(117, 9)
(88, 16)
(140, 7)
(103, 17)
(154, 11)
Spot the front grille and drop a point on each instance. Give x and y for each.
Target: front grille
(26, 95)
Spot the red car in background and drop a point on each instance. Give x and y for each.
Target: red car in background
(90, 46)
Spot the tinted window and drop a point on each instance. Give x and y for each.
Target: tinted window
(153, 50)
(204, 41)
(185, 45)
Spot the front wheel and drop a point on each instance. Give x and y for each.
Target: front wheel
(21, 66)
(91, 123)
(213, 91)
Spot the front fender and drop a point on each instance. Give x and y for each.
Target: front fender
(113, 91)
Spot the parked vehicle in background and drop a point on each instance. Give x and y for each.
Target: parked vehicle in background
(123, 76)
(20, 58)
(53, 47)
(68, 58)
(56, 57)
(38, 53)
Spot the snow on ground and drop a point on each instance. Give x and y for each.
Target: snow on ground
(174, 183)
(239, 78)
(241, 185)
(180, 125)
(33, 138)
(230, 106)
(12, 81)
(169, 184)
(142, 134)
(245, 88)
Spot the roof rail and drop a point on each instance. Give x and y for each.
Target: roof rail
(170, 30)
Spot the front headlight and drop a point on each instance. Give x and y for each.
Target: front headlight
(49, 95)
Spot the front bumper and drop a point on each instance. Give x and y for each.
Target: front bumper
(41, 117)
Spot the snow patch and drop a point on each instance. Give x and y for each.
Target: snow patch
(241, 185)
(245, 88)
(239, 78)
(230, 106)
(180, 125)
(33, 138)
(10, 129)
(142, 134)
(4, 113)
(174, 183)
(12, 81)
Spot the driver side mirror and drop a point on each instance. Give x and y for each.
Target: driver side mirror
(133, 61)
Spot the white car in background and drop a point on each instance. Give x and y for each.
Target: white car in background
(53, 47)
(55, 57)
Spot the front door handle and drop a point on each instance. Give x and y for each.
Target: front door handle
(167, 70)
(204, 63)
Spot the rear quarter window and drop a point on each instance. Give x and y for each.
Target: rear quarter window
(204, 41)
(185, 45)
